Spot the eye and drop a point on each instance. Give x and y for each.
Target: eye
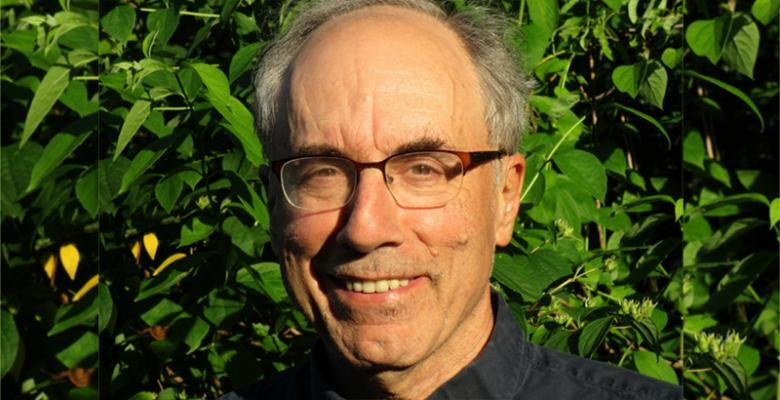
(422, 169)
(324, 172)
(321, 175)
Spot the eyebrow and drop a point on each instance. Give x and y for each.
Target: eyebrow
(420, 144)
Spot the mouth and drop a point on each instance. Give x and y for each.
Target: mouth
(374, 286)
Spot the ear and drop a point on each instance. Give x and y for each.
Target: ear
(510, 187)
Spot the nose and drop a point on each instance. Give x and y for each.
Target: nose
(371, 220)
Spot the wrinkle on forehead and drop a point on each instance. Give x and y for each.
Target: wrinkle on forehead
(379, 76)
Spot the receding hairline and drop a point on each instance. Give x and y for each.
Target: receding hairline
(442, 45)
(435, 30)
(504, 87)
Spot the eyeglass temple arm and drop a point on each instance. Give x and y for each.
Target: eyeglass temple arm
(477, 158)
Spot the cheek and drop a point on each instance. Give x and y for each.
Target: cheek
(456, 227)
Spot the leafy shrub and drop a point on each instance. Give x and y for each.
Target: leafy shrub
(135, 249)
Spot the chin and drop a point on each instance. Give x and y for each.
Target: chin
(380, 347)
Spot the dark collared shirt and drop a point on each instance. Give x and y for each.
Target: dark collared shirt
(509, 367)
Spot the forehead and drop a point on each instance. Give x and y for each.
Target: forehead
(379, 78)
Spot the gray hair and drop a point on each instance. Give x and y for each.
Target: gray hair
(504, 87)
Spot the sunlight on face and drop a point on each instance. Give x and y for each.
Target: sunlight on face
(384, 285)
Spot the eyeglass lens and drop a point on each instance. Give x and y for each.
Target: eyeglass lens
(421, 179)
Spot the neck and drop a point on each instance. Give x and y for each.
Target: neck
(423, 378)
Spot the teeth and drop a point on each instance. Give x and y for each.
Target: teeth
(379, 286)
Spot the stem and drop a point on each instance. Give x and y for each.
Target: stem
(549, 157)
(521, 13)
(183, 12)
(682, 344)
(626, 353)
(87, 78)
(171, 108)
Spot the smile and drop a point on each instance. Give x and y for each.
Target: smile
(378, 286)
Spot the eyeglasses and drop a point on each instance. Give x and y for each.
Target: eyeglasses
(419, 179)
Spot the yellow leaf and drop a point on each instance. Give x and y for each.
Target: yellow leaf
(136, 250)
(50, 267)
(168, 261)
(91, 283)
(69, 256)
(150, 244)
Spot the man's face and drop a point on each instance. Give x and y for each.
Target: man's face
(366, 86)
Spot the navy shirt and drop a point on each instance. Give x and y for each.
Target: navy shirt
(509, 367)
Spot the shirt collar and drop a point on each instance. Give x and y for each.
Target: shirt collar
(497, 372)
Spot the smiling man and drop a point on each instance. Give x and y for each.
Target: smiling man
(393, 128)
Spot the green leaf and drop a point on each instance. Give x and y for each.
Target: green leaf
(146, 158)
(593, 333)
(738, 279)
(750, 358)
(250, 200)
(164, 22)
(707, 36)
(698, 323)
(106, 309)
(170, 276)
(652, 87)
(533, 190)
(15, 166)
(765, 10)
(532, 43)
(652, 259)
(239, 119)
(648, 330)
(717, 171)
(544, 13)
(615, 5)
(75, 98)
(530, 276)
(731, 89)
(196, 330)
(194, 231)
(585, 170)
(647, 79)
(143, 396)
(627, 78)
(119, 22)
(82, 312)
(87, 189)
(135, 118)
(741, 198)
(167, 191)
(85, 348)
(162, 313)
(732, 373)
(672, 57)
(52, 86)
(774, 212)
(741, 49)
(645, 117)
(249, 239)
(654, 366)
(222, 305)
(632, 14)
(243, 60)
(696, 229)
(694, 152)
(9, 342)
(264, 278)
(59, 148)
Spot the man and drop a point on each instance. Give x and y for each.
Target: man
(393, 129)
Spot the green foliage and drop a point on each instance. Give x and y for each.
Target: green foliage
(648, 228)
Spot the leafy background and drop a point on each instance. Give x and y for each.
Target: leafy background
(135, 256)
